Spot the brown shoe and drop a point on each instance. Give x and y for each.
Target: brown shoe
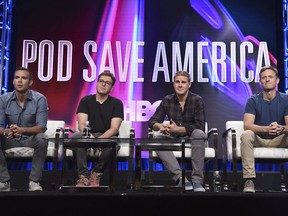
(94, 180)
(82, 181)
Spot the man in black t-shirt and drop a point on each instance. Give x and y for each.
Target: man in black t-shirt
(104, 114)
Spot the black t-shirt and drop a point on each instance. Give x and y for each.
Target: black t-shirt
(100, 115)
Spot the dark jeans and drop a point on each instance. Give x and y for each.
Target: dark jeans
(81, 155)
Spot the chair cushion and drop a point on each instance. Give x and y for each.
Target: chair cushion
(124, 150)
(19, 152)
(263, 152)
(28, 152)
(277, 153)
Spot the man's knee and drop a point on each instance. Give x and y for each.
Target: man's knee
(247, 135)
(197, 133)
(41, 139)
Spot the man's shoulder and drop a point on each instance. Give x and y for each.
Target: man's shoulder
(194, 97)
(192, 94)
(115, 99)
(169, 96)
(36, 94)
(89, 97)
(256, 96)
(6, 97)
(283, 95)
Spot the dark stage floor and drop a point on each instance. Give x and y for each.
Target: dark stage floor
(142, 202)
(267, 200)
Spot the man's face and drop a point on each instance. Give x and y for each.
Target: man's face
(181, 85)
(21, 81)
(269, 80)
(104, 85)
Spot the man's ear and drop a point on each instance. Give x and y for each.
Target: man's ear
(278, 79)
(30, 82)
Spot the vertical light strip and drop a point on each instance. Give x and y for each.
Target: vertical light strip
(285, 41)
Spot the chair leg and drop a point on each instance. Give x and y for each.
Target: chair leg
(224, 174)
(54, 174)
(283, 185)
(151, 169)
(234, 167)
(206, 177)
(130, 184)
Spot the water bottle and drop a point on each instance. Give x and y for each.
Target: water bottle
(216, 181)
(87, 130)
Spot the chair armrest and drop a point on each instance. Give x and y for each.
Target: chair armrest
(224, 142)
(224, 157)
(213, 133)
(132, 133)
(150, 133)
(67, 131)
(131, 143)
(57, 151)
(59, 133)
(213, 136)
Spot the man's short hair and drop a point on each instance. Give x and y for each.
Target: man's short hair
(105, 73)
(182, 73)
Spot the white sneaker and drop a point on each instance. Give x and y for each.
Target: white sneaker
(188, 185)
(198, 187)
(35, 186)
(249, 187)
(4, 186)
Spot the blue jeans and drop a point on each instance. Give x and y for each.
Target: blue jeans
(37, 142)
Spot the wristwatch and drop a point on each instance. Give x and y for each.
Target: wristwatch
(4, 133)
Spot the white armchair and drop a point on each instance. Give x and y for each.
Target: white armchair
(55, 130)
(231, 153)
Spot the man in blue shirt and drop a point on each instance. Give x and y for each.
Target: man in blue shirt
(265, 123)
(23, 121)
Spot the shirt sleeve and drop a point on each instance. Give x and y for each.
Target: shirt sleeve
(199, 117)
(158, 115)
(42, 112)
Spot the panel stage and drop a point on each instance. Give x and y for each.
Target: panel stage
(151, 202)
(140, 203)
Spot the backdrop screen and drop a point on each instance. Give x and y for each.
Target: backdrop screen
(222, 44)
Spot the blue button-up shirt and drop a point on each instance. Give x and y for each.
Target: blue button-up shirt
(34, 112)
